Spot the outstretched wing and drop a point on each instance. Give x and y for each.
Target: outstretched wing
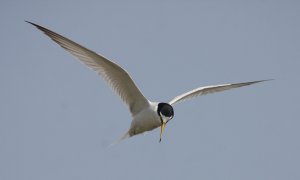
(209, 89)
(117, 78)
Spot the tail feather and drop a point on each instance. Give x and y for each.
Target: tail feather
(125, 136)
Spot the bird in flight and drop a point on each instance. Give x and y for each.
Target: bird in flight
(146, 115)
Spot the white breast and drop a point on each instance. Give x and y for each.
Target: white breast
(145, 120)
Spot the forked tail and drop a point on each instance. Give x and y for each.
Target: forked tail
(125, 136)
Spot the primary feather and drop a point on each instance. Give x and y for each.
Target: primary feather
(117, 78)
(209, 89)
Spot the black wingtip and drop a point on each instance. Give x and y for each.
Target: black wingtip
(253, 82)
(29, 22)
(266, 80)
(32, 24)
(45, 30)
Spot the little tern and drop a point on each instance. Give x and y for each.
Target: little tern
(146, 115)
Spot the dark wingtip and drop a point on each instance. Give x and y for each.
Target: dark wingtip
(29, 22)
(253, 82)
(32, 24)
(45, 30)
(265, 80)
(268, 80)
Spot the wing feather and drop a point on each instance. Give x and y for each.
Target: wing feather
(117, 78)
(209, 89)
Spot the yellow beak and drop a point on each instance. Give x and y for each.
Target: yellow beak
(162, 128)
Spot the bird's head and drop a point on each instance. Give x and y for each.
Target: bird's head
(166, 113)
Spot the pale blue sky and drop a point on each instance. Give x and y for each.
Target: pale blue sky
(57, 116)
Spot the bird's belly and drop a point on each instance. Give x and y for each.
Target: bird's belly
(144, 121)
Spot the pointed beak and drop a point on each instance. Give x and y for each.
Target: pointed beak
(162, 128)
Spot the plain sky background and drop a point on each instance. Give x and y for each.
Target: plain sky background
(57, 117)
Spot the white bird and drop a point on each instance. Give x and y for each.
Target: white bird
(146, 115)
